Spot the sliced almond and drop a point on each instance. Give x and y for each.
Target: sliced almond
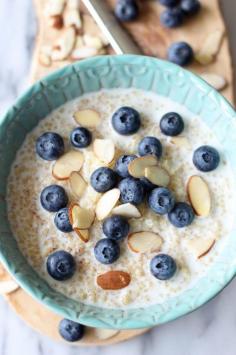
(64, 45)
(83, 234)
(8, 286)
(113, 280)
(200, 247)
(66, 164)
(83, 52)
(93, 41)
(77, 184)
(106, 203)
(87, 118)
(137, 166)
(72, 18)
(144, 242)
(80, 218)
(157, 175)
(55, 7)
(199, 195)
(216, 81)
(104, 149)
(127, 210)
(56, 22)
(45, 59)
(181, 142)
(210, 47)
(104, 334)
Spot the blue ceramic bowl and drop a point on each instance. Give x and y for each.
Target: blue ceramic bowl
(90, 75)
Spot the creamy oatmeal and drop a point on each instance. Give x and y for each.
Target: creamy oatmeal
(37, 236)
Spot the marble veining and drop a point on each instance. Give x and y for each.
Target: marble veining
(207, 331)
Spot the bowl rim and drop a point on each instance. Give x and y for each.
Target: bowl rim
(88, 320)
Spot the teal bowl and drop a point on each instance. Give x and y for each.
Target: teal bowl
(90, 75)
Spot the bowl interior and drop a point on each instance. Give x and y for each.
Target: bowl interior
(91, 75)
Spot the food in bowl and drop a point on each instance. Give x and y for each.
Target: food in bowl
(121, 198)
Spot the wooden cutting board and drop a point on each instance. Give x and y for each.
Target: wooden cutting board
(154, 40)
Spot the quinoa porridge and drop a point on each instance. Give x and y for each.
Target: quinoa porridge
(38, 236)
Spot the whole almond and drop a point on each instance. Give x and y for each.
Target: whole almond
(114, 280)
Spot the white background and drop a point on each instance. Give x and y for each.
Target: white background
(209, 331)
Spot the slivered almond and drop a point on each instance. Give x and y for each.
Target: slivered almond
(83, 234)
(144, 242)
(77, 184)
(210, 47)
(157, 175)
(200, 247)
(137, 166)
(87, 118)
(64, 45)
(181, 142)
(114, 280)
(127, 210)
(104, 334)
(83, 52)
(218, 82)
(199, 195)
(93, 41)
(104, 149)
(8, 286)
(106, 203)
(80, 218)
(66, 164)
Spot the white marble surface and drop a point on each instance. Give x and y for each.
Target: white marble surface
(209, 330)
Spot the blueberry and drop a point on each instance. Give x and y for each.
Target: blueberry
(122, 163)
(180, 53)
(103, 179)
(169, 3)
(171, 124)
(62, 221)
(206, 158)
(161, 200)
(71, 331)
(61, 265)
(181, 215)
(115, 227)
(50, 146)
(80, 137)
(126, 10)
(163, 266)
(150, 145)
(53, 198)
(107, 251)
(126, 121)
(172, 17)
(147, 185)
(190, 7)
(131, 190)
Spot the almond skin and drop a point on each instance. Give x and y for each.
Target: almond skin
(83, 234)
(207, 251)
(114, 280)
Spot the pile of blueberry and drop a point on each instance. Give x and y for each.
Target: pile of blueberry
(161, 200)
